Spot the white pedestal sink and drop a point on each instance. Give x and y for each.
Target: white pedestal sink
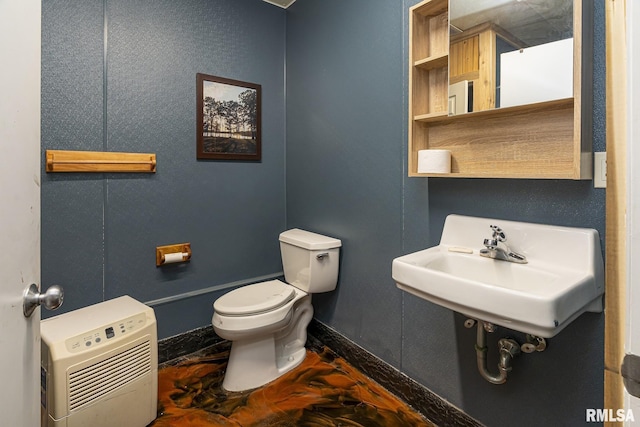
(563, 276)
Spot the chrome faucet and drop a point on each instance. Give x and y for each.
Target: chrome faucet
(495, 251)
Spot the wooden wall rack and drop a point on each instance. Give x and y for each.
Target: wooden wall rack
(99, 161)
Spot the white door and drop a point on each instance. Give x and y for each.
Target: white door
(19, 210)
(632, 340)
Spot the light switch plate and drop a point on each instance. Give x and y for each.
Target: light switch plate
(600, 170)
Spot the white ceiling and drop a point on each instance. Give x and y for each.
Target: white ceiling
(281, 3)
(532, 21)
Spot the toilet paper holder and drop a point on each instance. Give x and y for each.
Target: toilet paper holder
(170, 254)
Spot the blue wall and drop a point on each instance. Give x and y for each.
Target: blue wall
(334, 162)
(134, 90)
(345, 158)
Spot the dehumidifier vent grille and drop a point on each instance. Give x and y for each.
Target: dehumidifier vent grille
(92, 382)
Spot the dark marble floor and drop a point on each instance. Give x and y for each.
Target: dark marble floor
(323, 391)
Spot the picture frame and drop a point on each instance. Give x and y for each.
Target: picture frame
(228, 119)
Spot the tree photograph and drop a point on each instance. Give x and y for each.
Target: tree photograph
(228, 119)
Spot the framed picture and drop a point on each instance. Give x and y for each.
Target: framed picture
(228, 119)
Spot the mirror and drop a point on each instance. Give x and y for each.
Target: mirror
(509, 52)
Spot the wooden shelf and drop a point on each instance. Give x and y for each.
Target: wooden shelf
(429, 57)
(431, 8)
(432, 117)
(436, 61)
(99, 161)
(534, 141)
(546, 140)
(557, 104)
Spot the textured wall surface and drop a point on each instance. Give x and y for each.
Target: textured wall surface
(345, 157)
(346, 154)
(121, 76)
(334, 162)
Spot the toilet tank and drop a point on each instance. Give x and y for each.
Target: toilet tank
(310, 261)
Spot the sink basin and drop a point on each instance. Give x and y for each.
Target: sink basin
(563, 278)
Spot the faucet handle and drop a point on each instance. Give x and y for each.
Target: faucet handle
(498, 233)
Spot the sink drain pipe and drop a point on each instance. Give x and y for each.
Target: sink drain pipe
(508, 348)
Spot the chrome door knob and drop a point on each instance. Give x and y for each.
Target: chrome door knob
(52, 298)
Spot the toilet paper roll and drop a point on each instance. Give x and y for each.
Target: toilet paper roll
(434, 161)
(174, 257)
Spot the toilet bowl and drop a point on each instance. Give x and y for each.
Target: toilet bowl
(267, 322)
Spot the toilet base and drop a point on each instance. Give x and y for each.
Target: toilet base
(255, 362)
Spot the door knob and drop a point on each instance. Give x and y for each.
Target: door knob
(51, 299)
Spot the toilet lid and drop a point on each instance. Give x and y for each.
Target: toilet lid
(254, 299)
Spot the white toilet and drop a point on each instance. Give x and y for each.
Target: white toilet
(267, 322)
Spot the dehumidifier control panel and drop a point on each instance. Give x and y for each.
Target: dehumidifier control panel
(107, 333)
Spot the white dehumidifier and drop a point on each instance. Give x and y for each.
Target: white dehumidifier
(99, 366)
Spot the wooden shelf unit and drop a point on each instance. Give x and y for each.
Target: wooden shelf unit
(429, 57)
(547, 140)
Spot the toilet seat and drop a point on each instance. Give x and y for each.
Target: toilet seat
(255, 299)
